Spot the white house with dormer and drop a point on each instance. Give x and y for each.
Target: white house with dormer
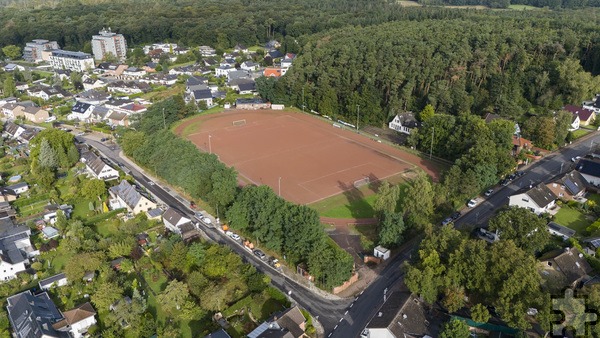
(404, 123)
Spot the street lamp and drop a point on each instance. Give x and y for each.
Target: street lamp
(357, 115)
(209, 145)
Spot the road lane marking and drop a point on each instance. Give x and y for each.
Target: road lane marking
(330, 334)
(335, 328)
(361, 292)
(341, 319)
(351, 305)
(345, 313)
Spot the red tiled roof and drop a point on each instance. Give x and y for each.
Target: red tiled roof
(521, 142)
(584, 114)
(276, 72)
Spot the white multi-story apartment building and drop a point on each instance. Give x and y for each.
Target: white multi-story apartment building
(108, 42)
(75, 61)
(33, 50)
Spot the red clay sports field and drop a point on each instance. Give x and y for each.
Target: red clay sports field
(310, 157)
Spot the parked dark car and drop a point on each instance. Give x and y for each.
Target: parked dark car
(520, 173)
(455, 216)
(447, 220)
(505, 182)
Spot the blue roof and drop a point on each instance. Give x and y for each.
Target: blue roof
(50, 232)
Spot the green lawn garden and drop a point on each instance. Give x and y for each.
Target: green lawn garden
(573, 219)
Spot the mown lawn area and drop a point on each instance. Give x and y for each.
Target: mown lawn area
(343, 206)
(573, 219)
(580, 133)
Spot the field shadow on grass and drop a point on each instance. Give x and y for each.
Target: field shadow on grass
(357, 198)
(269, 307)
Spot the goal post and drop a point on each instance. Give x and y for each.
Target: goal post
(239, 122)
(362, 182)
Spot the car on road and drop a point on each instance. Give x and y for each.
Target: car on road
(456, 215)
(447, 220)
(235, 237)
(520, 173)
(274, 262)
(80, 134)
(489, 192)
(575, 159)
(206, 220)
(258, 253)
(472, 203)
(505, 182)
(228, 233)
(151, 183)
(512, 176)
(104, 139)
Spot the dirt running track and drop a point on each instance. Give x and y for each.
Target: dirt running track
(310, 158)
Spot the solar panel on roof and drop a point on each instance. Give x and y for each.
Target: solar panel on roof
(572, 186)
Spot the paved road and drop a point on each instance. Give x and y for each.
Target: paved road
(339, 317)
(542, 171)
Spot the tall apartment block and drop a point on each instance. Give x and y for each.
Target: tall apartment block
(74, 61)
(108, 42)
(33, 51)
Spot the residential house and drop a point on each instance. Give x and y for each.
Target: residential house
(207, 51)
(570, 186)
(160, 79)
(590, 170)
(21, 86)
(249, 66)
(569, 267)
(11, 67)
(15, 249)
(32, 316)
(175, 220)
(593, 105)
(27, 135)
(272, 72)
(204, 95)
(51, 210)
(18, 188)
(56, 281)
(132, 73)
(243, 86)
(150, 67)
(47, 93)
(13, 130)
(575, 122)
(163, 46)
(98, 168)
(223, 70)
(154, 213)
(252, 104)
(93, 97)
(81, 111)
(77, 321)
(127, 196)
(220, 333)
(91, 83)
(238, 74)
(520, 144)
(288, 324)
(128, 87)
(403, 315)
(560, 231)
(49, 232)
(210, 62)
(110, 69)
(116, 103)
(35, 114)
(586, 116)
(272, 44)
(15, 110)
(404, 123)
(538, 199)
(227, 61)
(99, 114)
(239, 48)
(117, 118)
(7, 195)
(274, 54)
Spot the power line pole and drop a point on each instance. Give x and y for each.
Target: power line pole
(357, 115)
(431, 149)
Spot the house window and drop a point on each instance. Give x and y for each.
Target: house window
(525, 199)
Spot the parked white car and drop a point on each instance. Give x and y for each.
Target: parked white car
(472, 203)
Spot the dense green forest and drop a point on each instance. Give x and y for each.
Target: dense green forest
(483, 64)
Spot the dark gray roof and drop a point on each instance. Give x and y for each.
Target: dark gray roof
(32, 316)
(541, 195)
(196, 80)
(202, 94)
(93, 95)
(589, 167)
(80, 107)
(128, 193)
(11, 128)
(155, 212)
(220, 333)
(17, 186)
(572, 264)
(247, 86)
(48, 281)
(574, 182)
(173, 216)
(408, 120)
(561, 229)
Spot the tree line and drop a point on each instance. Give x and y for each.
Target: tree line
(292, 230)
